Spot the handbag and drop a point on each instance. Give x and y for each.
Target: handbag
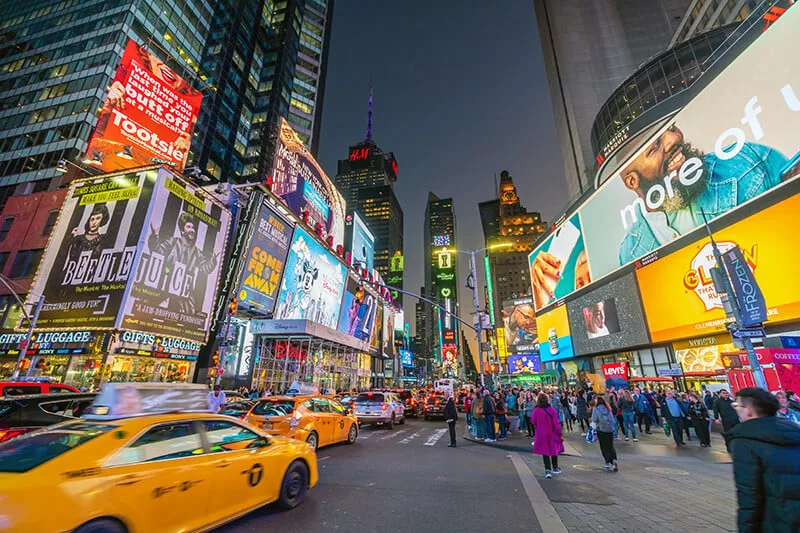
(665, 425)
(591, 435)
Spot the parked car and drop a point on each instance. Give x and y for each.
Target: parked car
(413, 406)
(20, 387)
(434, 405)
(379, 408)
(23, 414)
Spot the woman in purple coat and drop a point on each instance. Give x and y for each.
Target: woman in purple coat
(548, 441)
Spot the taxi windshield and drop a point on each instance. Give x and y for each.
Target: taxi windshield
(274, 408)
(24, 453)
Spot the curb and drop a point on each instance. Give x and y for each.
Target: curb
(500, 445)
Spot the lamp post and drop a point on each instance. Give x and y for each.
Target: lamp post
(23, 345)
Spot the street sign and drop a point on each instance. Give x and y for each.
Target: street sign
(748, 333)
(746, 291)
(672, 372)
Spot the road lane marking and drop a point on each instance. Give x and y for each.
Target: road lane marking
(393, 434)
(545, 513)
(412, 437)
(433, 439)
(323, 458)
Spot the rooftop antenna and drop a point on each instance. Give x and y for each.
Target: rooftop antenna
(496, 186)
(369, 114)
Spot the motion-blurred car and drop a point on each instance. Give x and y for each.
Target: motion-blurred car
(22, 387)
(379, 408)
(22, 414)
(413, 406)
(434, 405)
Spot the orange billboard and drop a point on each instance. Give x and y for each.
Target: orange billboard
(677, 291)
(147, 118)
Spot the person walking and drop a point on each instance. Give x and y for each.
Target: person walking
(642, 409)
(565, 411)
(725, 414)
(698, 414)
(708, 400)
(488, 416)
(582, 411)
(451, 416)
(478, 425)
(549, 440)
(766, 471)
(216, 399)
(785, 410)
(500, 411)
(626, 407)
(674, 413)
(604, 422)
(530, 404)
(468, 408)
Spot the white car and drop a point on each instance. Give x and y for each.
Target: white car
(379, 408)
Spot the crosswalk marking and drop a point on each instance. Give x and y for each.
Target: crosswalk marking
(393, 434)
(433, 439)
(411, 437)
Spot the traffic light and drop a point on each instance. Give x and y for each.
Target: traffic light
(215, 359)
(233, 306)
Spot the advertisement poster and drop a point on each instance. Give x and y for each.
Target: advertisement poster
(377, 327)
(358, 311)
(90, 256)
(178, 271)
(677, 291)
(519, 320)
(524, 364)
(608, 318)
(304, 186)
(450, 360)
(363, 245)
(559, 265)
(616, 375)
(313, 284)
(387, 338)
(147, 117)
(264, 262)
(406, 359)
(555, 343)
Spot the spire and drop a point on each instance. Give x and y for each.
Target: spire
(369, 113)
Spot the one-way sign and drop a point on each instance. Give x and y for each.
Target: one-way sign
(743, 333)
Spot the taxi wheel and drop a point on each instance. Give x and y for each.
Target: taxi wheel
(294, 485)
(102, 525)
(313, 440)
(352, 435)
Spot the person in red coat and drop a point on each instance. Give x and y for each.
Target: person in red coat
(548, 440)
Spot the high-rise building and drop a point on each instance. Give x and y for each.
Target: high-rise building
(705, 15)
(589, 48)
(519, 228)
(490, 220)
(366, 180)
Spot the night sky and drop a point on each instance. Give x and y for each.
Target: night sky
(460, 94)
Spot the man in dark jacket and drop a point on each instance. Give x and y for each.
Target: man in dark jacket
(725, 413)
(765, 449)
(676, 413)
(488, 416)
(451, 415)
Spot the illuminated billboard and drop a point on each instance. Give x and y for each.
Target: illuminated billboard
(147, 118)
(677, 291)
(441, 240)
(358, 311)
(363, 244)
(555, 343)
(519, 325)
(736, 140)
(304, 186)
(313, 283)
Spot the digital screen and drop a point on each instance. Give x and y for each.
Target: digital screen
(358, 311)
(441, 240)
(555, 343)
(601, 318)
(363, 245)
(519, 321)
(406, 359)
(524, 364)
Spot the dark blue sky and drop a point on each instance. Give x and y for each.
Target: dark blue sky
(460, 94)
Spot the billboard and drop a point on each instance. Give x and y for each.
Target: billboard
(555, 343)
(147, 117)
(90, 256)
(264, 261)
(616, 374)
(524, 364)
(559, 265)
(313, 283)
(519, 321)
(304, 186)
(406, 359)
(734, 141)
(377, 328)
(608, 318)
(677, 291)
(363, 245)
(358, 311)
(450, 359)
(179, 267)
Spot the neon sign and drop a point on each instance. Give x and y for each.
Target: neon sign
(359, 154)
(441, 240)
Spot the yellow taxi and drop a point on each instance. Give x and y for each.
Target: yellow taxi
(120, 471)
(316, 419)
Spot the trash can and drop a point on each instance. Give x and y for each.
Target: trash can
(514, 421)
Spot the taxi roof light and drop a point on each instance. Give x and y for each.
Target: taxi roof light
(125, 400)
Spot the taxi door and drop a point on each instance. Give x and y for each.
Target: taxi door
(323, 418)
(245, 473)
(341, 423)
(159, 478)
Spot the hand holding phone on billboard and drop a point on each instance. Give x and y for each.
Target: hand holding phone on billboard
(548, 266)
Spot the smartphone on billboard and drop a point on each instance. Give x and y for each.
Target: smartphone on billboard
(792, 168)
(564, 241)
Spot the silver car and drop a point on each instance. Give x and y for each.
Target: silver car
(379, 408)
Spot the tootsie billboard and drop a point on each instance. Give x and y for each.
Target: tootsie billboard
(736, 140)
(147, 118)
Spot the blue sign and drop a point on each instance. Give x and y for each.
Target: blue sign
(363, 245)
(358, 311)
(315, 198)
(746, 291)
(406, 359)
(524, 364)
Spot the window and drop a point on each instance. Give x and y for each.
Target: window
(25, 263)
(337, 408)
(229, 436)
(5, 227)
(166, 441)
(37, 449)
(19, 390)
(3, 260)
(61, 408)
(50, 223)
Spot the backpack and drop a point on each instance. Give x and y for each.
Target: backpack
(477, 408)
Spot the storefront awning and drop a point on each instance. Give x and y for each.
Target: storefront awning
(299, 328)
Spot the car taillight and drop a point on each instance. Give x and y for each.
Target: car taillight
(293, 422)
(8, 434)
(413, 402)
(384, 406)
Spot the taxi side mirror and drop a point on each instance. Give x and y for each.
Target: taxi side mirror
(262, 442)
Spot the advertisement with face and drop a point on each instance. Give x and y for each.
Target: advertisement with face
(178, 270)
(263, 264)
(608, 318)
(358, 311)
(363, 245)
(388, 332)
(555, 343)
(732, 143)
(313, 283)
(677, 291)
(377, 328)
(90, 256)
(559, 265)
(524, 364)
(147, 118)
(519, 322)
(304, 186)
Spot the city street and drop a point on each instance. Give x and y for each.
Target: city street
(407, 479)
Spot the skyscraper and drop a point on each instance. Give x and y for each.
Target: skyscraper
(589, 48)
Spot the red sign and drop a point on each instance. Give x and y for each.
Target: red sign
(147, 118)
(359, 154)
(615, 370)
(284, 349)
